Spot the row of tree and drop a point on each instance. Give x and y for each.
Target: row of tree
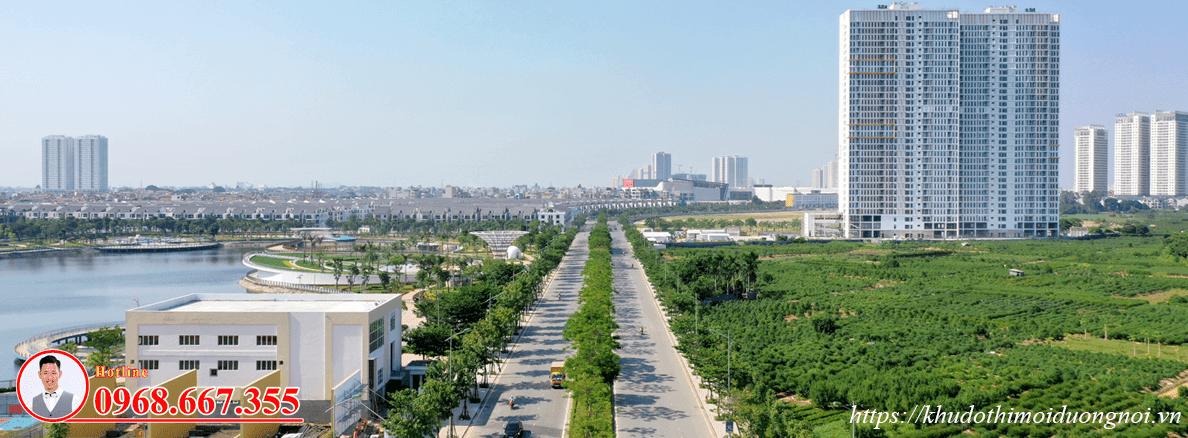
(592, 370)
(71, 228)
(467, 325)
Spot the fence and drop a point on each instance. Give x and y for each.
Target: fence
(252, 277)
(25, 349)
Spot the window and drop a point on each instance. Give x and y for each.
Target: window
(148, 340)
(377, 334)
(228, 340)
(187, 365)
(265, 340)
(229, 365)
(149, 364)
(265, 365)
(187, 340)
(392, 324)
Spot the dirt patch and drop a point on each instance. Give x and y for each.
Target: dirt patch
(1163, 295)
(794, 400)
(791, 318)
(1170, 388)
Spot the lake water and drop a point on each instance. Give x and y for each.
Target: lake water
(42, 293)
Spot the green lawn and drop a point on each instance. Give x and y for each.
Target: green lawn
(1125, 348)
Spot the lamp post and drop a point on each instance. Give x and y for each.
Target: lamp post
(486, 368)
(465, 403)
(729, 353)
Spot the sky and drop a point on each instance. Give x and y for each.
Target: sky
(481, 94)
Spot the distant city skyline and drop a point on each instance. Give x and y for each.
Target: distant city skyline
(482, 94)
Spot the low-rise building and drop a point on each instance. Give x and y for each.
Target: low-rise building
(317, 341)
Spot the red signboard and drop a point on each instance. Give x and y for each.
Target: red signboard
(628, 183)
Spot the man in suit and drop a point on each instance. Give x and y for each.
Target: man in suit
(54, 402)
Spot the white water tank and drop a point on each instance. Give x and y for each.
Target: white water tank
(513, 253)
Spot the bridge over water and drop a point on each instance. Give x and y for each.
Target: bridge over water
(47, 340)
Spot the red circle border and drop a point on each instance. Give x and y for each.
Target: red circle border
(85, 395)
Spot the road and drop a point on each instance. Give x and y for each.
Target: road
(526, 373)
(654, 396)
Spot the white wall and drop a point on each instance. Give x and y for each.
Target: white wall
(307, 354)
(348, 342)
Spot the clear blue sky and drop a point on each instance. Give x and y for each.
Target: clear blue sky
(488, 93)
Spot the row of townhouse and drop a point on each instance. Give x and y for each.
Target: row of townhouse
(317, 213)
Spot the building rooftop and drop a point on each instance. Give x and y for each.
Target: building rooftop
(278, 303)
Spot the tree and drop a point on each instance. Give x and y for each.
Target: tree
(336, 265)
(108, 343)
(1176, 246)
(408, 415)
(427, 340)
(1066, 223)
(57, 430)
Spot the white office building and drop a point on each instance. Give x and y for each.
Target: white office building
(731, 170)
(90, 163)
(948, 123)
(662, 166)
(318, 342)
(1169, 153)
(1092, 159)
(1132, 154)
(57, 163)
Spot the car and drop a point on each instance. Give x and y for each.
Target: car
(514, 429)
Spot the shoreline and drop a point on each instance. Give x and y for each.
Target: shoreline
(94, 248)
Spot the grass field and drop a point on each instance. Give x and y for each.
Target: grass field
(1125, 348)
(1162, 296)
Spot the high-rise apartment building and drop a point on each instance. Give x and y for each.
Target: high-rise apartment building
(731, 170)
(1132, 154)
(74, 163)
(1169, 153)
(662, 166)
(949, 123)
(57, 163)
(90, 163)
(1092, 157)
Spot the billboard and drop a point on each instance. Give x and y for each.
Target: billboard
(628, 183)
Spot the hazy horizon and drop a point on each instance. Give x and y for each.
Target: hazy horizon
(488, 94)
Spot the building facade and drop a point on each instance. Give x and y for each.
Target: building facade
(69, 164)
(57, 163)
(1169, 153)
(731, 170)
(662, 166)
(1132, 154)
(1092, 159)
(948, 123)
(316, 341)
(90, 163)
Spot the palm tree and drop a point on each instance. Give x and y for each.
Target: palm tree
(338, 269)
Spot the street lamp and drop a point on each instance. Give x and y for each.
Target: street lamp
(465, 404)
(729, 353)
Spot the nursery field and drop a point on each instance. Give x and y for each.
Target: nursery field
(893, 326)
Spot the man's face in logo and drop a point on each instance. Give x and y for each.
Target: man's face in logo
(49, 377)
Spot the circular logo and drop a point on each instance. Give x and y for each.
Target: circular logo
(55, 377)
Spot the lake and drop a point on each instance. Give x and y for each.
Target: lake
(41, 293)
